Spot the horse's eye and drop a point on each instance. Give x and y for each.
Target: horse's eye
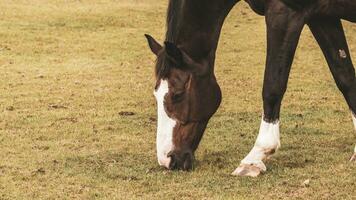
(176, 97)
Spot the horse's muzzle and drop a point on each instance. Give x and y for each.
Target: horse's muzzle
(181, 160)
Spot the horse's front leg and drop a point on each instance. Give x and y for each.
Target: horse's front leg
(331, 37)
(284, 27)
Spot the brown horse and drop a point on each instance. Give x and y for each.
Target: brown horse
(186, 90)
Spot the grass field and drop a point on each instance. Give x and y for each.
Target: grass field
(70, 70)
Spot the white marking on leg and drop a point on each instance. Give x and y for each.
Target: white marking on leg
(267, 142)
(165, 126)
(342, 53)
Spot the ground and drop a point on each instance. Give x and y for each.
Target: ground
(78, 116)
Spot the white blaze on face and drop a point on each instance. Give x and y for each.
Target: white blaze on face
(267, 142)
(165, 126)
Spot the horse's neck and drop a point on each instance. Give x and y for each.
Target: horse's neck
(201, 24)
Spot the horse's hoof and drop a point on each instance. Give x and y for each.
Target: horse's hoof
(247, 170)
(353, 158)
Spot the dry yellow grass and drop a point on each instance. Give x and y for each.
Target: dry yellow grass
(68, 68)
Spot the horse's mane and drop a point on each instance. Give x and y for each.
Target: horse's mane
(164, 64)
(173, 15)
(298, 4)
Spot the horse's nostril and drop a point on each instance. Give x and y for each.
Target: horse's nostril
(181, 161)
(173, 163)
(170, 154)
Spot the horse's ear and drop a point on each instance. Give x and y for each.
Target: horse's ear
(154, 45)
(184, 61)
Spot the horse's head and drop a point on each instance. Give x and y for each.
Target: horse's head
(187, 96)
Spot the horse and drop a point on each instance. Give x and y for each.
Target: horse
(186, 90)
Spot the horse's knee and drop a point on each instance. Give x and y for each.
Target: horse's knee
(346, 82)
